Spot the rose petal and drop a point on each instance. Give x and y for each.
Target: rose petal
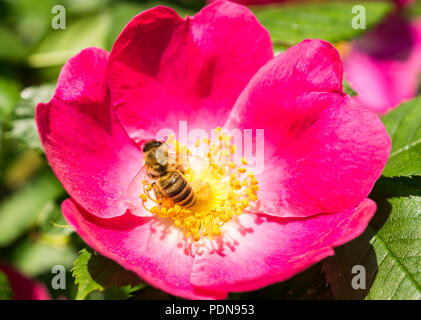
(261, 250)
(323, 151)
(384, 66)
(164, 69)
(24, 288)
(90, 153)
(158, 253)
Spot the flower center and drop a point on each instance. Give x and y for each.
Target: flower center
(222, 188)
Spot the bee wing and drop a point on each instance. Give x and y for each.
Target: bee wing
(135, 186)
(186, 161)
(134, 190)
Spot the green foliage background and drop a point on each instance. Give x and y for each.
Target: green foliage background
(33, 234)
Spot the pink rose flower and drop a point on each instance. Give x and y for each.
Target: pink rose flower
(404, 2)
(384, 66)
(251, 2)
(24, 288)
(323, 151)
(257, 2)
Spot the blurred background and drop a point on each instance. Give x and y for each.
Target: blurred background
(33, 234)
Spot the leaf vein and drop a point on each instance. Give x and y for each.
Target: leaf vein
(399, 263)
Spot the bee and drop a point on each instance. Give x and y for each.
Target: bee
(167, 171)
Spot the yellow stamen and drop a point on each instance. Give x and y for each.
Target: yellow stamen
(221, 189)
(227, 139)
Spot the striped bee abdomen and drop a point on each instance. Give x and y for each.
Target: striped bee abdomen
(175, 186)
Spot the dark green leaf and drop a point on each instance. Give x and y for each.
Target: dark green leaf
(309, 284)
(121, 15)
(60, 45)
(93, 272)
(84, 7)
(93, 30)
(23, 127)
(404, 127)
(293, 22)
(415, 8)
(5, 291)
(31, 21)
(38, 257)
(19, 211)
(10, 46)
(9, 95)
(389, 249)
(52, 223)
(22, 167)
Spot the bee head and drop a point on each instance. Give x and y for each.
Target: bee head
(156, 153)
(153, 144)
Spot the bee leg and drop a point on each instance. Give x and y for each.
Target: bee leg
(158, 194)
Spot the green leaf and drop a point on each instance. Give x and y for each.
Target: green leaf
(81, 7)
(122, 293)
(293, 22)
(92, 30)
(19, 211)
(11, 48)
(60, 45)
(348, 89)
(30, 21)
(38, 257)
(389, 249)
(415, 9)
(52, 224)
(309, 284)
(121, 15)
(21, 167)
(93, 272)
(24, 128)
(404, 127)
(9, 95)
(5, 290)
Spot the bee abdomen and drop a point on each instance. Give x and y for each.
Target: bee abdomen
(176, 187)
(186, 198)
